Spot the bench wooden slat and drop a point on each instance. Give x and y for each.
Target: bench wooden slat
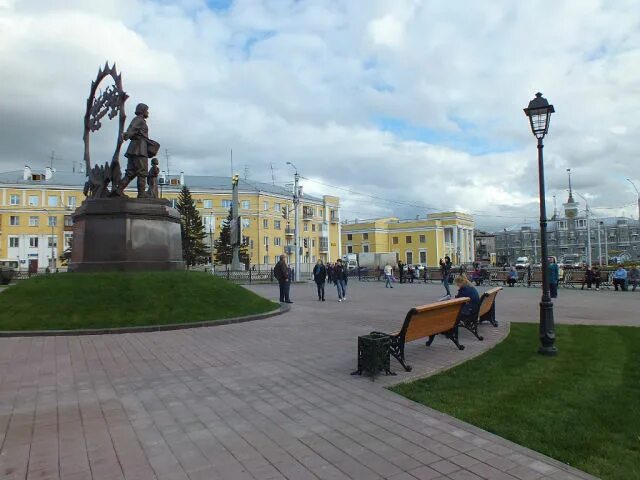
(432, 319)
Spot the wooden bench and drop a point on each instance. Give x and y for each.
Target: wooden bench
(536, 278)
(487, 311)
(573, 278)
(428, 321)
(434, 276)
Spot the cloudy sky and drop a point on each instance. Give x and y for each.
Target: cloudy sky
(398, 107)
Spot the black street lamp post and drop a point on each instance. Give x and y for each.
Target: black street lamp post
(539, 112)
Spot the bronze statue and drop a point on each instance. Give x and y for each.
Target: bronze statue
(152, 179)
(141, 147)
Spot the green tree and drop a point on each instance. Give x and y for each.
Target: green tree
(194, 250)
(223, 249)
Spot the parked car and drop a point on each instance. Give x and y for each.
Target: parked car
(522, 262)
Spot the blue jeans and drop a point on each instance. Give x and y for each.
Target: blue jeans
(445, 283)
(388, 281)
(342, 288)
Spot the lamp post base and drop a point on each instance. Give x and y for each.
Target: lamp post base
(550, 351)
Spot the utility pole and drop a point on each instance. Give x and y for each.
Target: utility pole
(296, 232)
(166, 156)
(599, 245)
(637, 194)
(586, 202)
(606, 245)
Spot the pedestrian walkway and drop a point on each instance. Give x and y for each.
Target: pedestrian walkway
(269, 399)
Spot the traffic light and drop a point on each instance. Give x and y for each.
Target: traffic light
(285, 212)
(305, 243)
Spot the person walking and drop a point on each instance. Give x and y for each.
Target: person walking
(445, 268)
(634, 277)
(401, 271)
(282, 272)
(319, 276)
(554, 277)
(388, 273)
(340, 279)
(620, 279)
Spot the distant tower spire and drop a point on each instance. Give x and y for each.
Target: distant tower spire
(570, 190)
(571, 207)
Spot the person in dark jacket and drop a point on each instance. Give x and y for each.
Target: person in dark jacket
(445, 269)
(554, 277)
(319, 276)
(340, 279)
(588, 278)
(283, 274)
(466, 289)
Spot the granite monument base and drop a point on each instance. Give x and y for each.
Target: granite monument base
(126, 234)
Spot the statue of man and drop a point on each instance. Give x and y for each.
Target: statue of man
(141, 147)
(152, 179)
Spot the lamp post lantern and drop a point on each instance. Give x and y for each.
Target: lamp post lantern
(539, 112)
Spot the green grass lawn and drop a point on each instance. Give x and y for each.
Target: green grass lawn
(581, 407)
(101, 300)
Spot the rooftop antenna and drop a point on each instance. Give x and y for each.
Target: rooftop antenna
(570, 191)
(166, 155)
(53, 156)
(273, 178)
(232, 162)
(555, 208)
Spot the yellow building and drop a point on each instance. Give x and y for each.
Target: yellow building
(418, 241)
(36, 216)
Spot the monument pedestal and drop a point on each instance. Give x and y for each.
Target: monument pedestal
(126, 234)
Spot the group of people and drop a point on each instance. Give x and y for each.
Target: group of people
(332, 273)
(623, 279)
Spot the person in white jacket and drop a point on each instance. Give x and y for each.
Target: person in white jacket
(388, 272)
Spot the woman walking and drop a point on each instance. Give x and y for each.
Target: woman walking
(445, 269)
(340, 279)
(388, 273)
(319, 276)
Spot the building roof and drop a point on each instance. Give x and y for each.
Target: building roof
(608, 221)
(198, 182)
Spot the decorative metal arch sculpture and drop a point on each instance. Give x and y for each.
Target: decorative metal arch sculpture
(110, 103)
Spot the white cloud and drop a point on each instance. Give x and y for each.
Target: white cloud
(314, 82)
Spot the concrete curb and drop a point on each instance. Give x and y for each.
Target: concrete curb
(145, 328)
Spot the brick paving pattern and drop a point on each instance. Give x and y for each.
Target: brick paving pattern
(270, 399)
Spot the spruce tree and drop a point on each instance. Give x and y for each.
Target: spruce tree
(194, 250)
(223, 249)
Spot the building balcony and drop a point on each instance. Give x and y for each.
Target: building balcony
(334, 218)
(307, 215)
(323, 245)
(289, 232)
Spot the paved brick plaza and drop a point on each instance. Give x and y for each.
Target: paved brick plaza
(269, 399)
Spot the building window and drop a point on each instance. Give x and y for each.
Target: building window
(53, 221)
(365, 248)
(423, 257)
(349, 249)
(277, 207)
(207, 203)
(562, 225)
(52, 201)
(14, 220)
(265, 259)
(394, 240)
(276, 224)
(423, 239)
(33, 242)
(245, 223)
(409, 258)
(68, 221)
(52, 242)
(71, 202)
(581, 223)
(265, 206)
(265, 241)
(306, 227)
(14, 200)
(33, 201)
(313, 227)
(14, 242)
(349, 236)
(277, 241)
(34, 221)
(409, 239)
(245, 204)
(226, 203)
(313, 242)
(265, 223)
(365, 236)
